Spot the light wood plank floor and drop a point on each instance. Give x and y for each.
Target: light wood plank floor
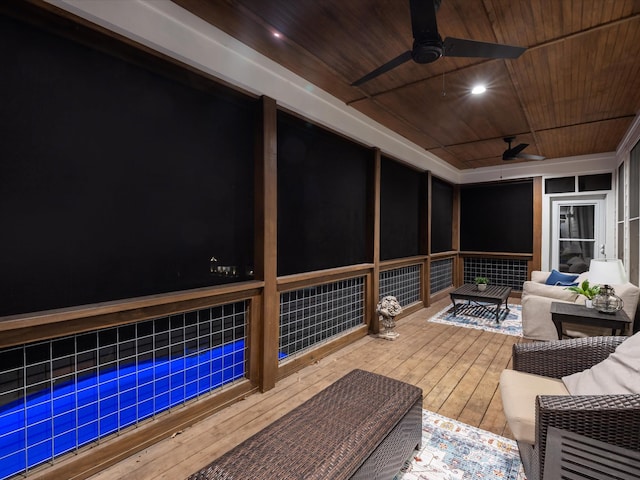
(457, 368)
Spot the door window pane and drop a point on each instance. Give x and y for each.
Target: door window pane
(576, 239)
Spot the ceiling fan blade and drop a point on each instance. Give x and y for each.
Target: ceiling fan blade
(459, 47)
(513, 152)
(528, 156)
(423, 19)
(391, 64)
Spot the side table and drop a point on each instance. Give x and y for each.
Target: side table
(581, 315)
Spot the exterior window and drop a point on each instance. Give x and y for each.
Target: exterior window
(578, 231)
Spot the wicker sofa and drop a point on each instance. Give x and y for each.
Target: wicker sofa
(537, 297)
(533, 403)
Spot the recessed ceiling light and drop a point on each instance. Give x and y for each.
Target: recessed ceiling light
(478, 89)
(277, 34)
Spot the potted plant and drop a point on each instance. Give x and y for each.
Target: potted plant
(481, 283)
(589, 291)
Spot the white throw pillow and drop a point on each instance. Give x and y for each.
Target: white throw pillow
(619, 373)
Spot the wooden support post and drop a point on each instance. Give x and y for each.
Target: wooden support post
(373, 286)
(266, 245)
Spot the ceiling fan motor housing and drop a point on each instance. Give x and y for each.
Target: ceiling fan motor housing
(426, 51)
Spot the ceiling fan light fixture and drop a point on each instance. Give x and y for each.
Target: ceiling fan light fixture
(478, 90)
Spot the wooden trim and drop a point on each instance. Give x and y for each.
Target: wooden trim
(505, 255)
(111, 451)
(536, 261)
(266, 187)
(373, 286)
(308, 279)
(429, 210)
(458, 265)
(98, 309)
(402, 262)
(370, 303)
(441, 255)
(254, 339)
(426, 282)
(21, 329)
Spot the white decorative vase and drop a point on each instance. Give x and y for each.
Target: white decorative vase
(482, 287)
(588, 303)
(388, 324)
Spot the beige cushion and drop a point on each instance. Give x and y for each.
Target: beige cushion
(629, 294)
(548, 291)
(536, 318)
(518, 391)
(619, 373)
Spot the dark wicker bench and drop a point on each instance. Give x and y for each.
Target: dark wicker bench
(364, 426)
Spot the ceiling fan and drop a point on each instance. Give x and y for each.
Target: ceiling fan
(428, 45)
(516, 152)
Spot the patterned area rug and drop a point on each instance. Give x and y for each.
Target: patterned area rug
(479, 317)
(455, 451)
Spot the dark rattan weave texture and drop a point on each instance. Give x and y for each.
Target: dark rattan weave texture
(331, 435)
(614, 419)
(557, 359)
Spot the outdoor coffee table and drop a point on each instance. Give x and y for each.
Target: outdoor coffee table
(581, 315)
(493, 295)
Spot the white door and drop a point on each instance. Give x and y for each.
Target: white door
(577, 234)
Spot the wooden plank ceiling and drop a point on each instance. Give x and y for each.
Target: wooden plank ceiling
(574, 91)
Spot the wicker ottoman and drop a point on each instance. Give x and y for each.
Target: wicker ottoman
(364, 426)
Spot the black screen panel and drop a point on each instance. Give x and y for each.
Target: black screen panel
(116, 182)
(497, 217)
(400, 199)
(322, 198)
(591, 183)
(560, 185)
(441, 216)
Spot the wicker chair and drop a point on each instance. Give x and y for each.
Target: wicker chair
(572, 456)
(614, 419)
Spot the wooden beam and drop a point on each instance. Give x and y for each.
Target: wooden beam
(266, 245)
(458, 263)
(373, 287)
(536, 262)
